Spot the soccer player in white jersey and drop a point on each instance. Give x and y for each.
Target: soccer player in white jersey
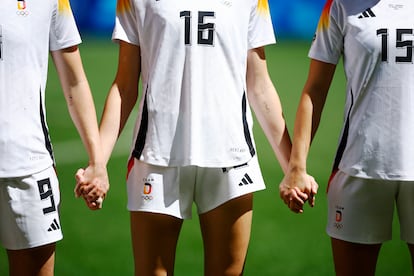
(29, 191)
(202, 64)
(374, 166)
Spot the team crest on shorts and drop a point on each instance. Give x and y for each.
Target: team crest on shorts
(22, 8)
(147, 192)
(338, 217)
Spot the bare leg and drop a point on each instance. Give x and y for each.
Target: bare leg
(226, 235)
(37, 261)
(154, 242)
(411, 248)
(353, 259)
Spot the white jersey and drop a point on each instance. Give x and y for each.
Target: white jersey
(194, 109)
(28, 31)
(375, 38)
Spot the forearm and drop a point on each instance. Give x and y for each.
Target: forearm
(82, 110)
(268, 110)
(110, 126)
(302, 135)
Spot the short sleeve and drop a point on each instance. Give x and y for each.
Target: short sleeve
(261, 31)
(126, 27)
(63, 30)
(327, 45)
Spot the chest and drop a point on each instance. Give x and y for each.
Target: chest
(195, 21)
(385, 30)
(23, 22)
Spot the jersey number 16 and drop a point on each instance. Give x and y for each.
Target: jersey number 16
(205, 33)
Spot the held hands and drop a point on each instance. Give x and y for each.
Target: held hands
(296, 188)
(92, 184)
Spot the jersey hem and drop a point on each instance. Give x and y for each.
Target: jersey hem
(21, 173)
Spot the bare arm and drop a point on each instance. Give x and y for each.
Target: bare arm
(266, 105)
(121, 98)
(307, 121)
(82, 110)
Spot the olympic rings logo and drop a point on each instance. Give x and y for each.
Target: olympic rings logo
(22, 13)
(146, 197)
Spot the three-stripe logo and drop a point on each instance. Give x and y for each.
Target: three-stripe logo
(54, 226)
(246, 180)
(367, 13)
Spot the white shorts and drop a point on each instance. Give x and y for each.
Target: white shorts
(361, 210)
(172, 190)
(29, 210)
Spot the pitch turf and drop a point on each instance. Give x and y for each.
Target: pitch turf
(282, 243)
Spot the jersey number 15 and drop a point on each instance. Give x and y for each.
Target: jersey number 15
(399, 44)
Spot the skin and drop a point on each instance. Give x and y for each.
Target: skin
(225, 248)
(350, 258)
(297, 187)
(40, 260)
(82, 111)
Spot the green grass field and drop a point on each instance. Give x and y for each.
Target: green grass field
(282, 243)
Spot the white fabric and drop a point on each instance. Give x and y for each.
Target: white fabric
(193, 58)
(373, 37)
(29, 210)
(173, 190)
(359, 212)
(29, 29)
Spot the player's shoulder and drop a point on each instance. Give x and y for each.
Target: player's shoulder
(352, 7)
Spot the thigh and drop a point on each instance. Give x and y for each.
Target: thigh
(360, 210)
(154, 242)
(411, 249)
(353, 259)
(405, 207)
(226, 235)
(29, 210)
(33, 261)
(215, 186)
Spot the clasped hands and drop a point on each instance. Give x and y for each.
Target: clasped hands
(92, 185)
(296, 189)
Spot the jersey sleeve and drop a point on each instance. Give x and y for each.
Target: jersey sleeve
(125, 23)
(261, 31)
(63, 30)
(327, 45)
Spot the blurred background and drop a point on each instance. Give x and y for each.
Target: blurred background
(292, 19)
(282, 243)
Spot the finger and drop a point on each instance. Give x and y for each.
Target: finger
(79, 174)
(94, 204)
(298, 195)
(312, 198)
(91, 205)
(79, 182)
(315, 187)
(88, 191)
(296, 208)
(314, 190)
(99, 202)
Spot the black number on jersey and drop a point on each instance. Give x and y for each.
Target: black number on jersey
(205, 30)
(399, 44)
(45, 190)
(1, 43)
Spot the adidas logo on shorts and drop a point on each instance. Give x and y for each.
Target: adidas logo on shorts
(54, 226)
(246, 180)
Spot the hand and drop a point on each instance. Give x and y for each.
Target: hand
(297, 188)
(92, 184)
